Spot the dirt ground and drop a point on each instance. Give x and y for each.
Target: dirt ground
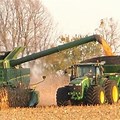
(103, 112)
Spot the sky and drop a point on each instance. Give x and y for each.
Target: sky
(81, 16)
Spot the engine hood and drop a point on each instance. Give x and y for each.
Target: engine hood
(78, 81)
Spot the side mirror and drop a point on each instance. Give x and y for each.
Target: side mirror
(65, 71)
(44, 77)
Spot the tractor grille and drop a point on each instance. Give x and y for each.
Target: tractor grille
(75, 88)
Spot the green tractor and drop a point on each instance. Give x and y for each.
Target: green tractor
(89, 85)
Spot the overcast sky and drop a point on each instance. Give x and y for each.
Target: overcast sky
(82, 16)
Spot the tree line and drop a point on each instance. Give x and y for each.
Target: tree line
(28, 23)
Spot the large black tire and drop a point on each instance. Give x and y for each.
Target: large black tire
(95, 95)
(111, 91)
(62, 97)
(75, 102)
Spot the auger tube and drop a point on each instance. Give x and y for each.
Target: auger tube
(55, 49)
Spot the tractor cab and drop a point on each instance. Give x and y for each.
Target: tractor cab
(83, 70)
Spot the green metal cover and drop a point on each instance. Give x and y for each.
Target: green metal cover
(15, 77)
(55, 50)
(112, 68)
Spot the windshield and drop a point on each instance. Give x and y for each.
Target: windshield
(87, 70)
(79, 71)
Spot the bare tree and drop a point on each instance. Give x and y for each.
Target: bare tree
(109, 29)
(25, 23)
(66, 58)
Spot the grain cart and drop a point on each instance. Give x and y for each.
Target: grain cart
(14, 80)
(91, 83)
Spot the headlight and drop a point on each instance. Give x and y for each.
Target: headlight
(70, 84)
(78, 84)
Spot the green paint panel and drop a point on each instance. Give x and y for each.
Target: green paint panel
(111, 68)
(84, 83)
(15, 77)
(13, 54)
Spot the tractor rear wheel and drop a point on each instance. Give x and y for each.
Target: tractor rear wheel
(95, 95)
(62, 97)
(111, 91)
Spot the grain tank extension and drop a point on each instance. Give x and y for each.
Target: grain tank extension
(14, 80)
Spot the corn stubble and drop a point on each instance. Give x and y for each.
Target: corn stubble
(103, 112)
(46, 112)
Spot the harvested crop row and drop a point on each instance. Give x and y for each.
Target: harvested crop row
(105, 112)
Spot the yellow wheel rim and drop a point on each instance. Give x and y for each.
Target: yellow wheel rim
(102, 97)
(115, 94)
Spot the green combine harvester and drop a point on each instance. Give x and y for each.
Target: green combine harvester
(15, 88)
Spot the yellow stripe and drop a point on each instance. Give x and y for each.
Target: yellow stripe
(20, 77)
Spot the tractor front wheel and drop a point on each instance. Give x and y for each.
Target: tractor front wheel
(62, 97)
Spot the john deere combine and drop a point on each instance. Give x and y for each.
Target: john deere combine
(14, 83)
(14, 80)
